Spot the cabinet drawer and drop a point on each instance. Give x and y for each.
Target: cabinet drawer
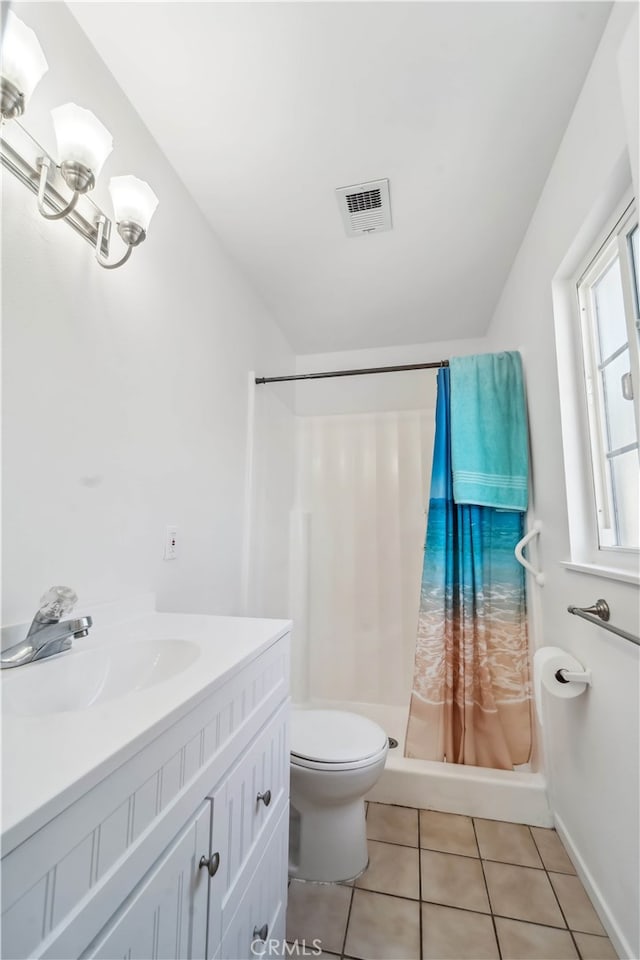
(165, 917)
(264, 903)
(245, 807)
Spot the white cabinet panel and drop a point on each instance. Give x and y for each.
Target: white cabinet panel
(262, 909)
(246, 806)
(165, 917)
(22, 923)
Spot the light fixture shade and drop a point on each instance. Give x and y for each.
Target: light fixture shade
(81, 137)
(133, 200)
(22, 61)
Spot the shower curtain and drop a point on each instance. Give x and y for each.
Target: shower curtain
(471, 699)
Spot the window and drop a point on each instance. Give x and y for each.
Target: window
(609, 295)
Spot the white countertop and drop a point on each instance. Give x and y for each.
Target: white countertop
(50, 760)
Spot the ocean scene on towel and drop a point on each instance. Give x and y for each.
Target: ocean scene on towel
(489, 435)
(471, 698)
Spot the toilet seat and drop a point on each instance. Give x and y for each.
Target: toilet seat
(335, 740)
(325, 765)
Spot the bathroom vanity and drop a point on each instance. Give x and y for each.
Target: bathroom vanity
(145, 811)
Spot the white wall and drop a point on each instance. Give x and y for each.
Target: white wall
(125, 392)
(592, 744)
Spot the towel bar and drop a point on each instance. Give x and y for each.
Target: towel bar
(601, 619)
(534, 532)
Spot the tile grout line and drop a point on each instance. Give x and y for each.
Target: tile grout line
(468, 856)
(393, 843)
(399, 896)
(346, 926)
(573, 939)
(479, 913)
(486, 887)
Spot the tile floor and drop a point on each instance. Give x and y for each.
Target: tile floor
(446, 887)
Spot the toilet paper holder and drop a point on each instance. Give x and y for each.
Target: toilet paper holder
(573, 676)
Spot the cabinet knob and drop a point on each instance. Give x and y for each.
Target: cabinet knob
(261, 933)
(212, 863)
(265, 797)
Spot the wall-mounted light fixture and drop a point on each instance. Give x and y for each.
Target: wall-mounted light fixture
(83, 145)
(134, 203)
(23, 66)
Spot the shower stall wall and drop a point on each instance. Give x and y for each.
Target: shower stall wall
(357, 539)
(362, 485)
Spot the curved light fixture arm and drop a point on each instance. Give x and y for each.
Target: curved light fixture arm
(109, 266)
(45, 164)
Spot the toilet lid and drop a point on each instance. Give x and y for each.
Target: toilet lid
(333, 736)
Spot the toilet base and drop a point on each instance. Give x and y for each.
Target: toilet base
(328, 844)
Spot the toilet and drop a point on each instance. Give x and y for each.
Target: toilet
(336, 758)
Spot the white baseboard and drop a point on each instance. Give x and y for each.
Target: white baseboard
(618, 939)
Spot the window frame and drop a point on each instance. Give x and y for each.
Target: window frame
(617, 244)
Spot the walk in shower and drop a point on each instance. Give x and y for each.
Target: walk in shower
(363, 450)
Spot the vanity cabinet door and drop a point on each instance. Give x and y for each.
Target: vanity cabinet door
(165, 916)
(257, 928)
(246, 806)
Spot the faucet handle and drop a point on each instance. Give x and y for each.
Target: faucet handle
(56, 602)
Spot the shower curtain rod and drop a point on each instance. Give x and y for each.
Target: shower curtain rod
(355, 373)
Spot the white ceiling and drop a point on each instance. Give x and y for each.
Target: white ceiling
(265, 108)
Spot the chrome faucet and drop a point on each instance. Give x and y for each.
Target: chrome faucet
(48, 633)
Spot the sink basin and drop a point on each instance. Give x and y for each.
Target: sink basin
(83, 678)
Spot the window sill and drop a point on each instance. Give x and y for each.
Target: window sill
(608, 573)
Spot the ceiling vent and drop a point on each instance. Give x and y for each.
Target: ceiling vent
(365, 207)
